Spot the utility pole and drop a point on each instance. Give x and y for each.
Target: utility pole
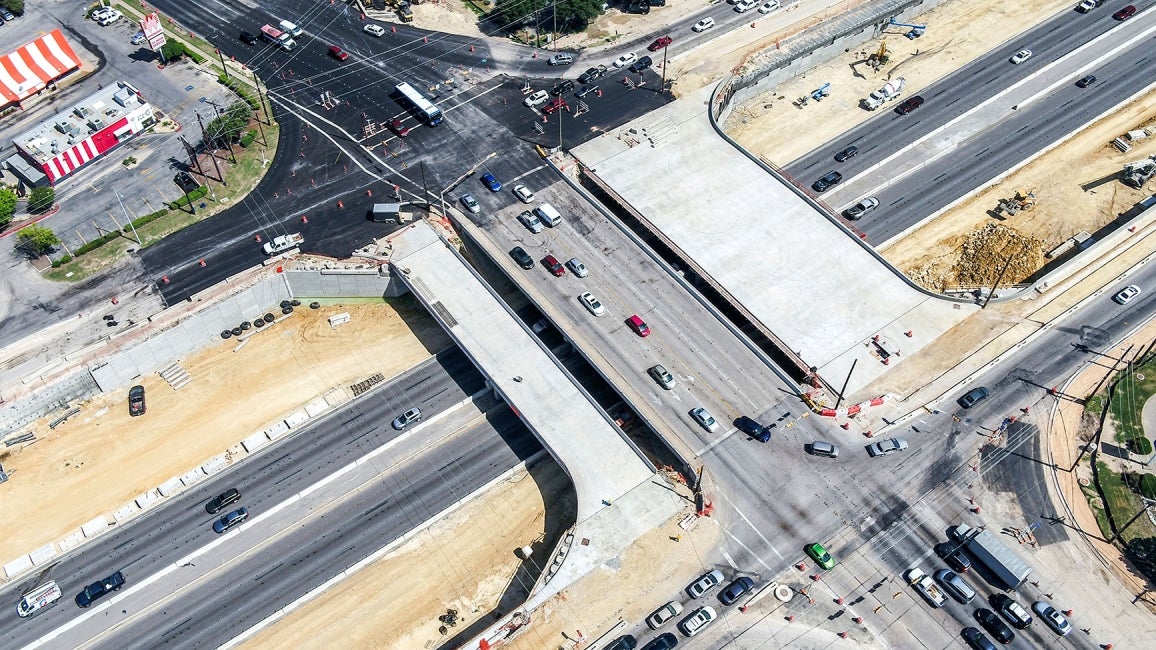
(662, 89)
(126, 217)
(223, 66)
(998, 278)
(212, 156)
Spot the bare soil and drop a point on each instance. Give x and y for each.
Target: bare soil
(101, 458)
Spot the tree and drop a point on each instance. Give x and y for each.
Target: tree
(1148, 486)
(573, 15)
(37, 240)
(229, 126)
(41, 200)
(7, 206)
(173, 50)
(15, 6)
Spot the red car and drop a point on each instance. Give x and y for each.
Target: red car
(638, 325)
(555, 104)
(909, 104)
(1125, 13)
(338, 53)
(660, 43)
(554, 266)
(400, 129)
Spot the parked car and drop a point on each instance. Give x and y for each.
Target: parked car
(561, 58)
(7, 15)
(624, 642)
(849, 152)
(99, 589)
(592, 74)
(230, 520)
(973, 397)
(523, 193)
(471, 203)
(659, 43)
(743, 6)
(769, 6)
(866, 206)
(954, 555)
(1086, 80)
(217, 503)
(137, 38)
(1126, 294)
(1012, 611)
(638, 325)
(641, 64)
(405, 419)
(248, 39)
(553, 266)
(664, 614)
(976, 639)
(1052, 617)
(703, 25)
(522, 258)
(994, 625)
(136, 401)
(1021, 56)
(562, 87)
(1125, 13)
(577, 267)
(819, 554)
(885, 447)
(491, 182)
(705, 583)
(753, 428)
(704, 419)
(397, 127)
(661, 375)
(823, 448)
(693, 624)
(911, 103)
(826, 181)
(625, 60)
(555, 105)
(591, 304)
(586, 90)
(955, 585)
(735, 590)
(535, 98)
(374, 30)
(662, 642)
(336, 52)
(530, 221)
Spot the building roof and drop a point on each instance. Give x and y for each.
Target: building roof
(31, 67)
(86, 117)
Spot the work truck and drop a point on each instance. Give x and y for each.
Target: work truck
(926, 587)
(998, 557)
(283, 243)
(278, 37)
(888, 92)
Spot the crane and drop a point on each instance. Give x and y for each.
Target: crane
(916, 30)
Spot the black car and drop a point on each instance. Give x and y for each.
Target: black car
(1011, 610)
(562, 87)
(232, 495)
(994, 625)
(736, 589)
(909, 104)
(662, 642)
(830, 179)
(642, 64)
(99, 589)
(591, 74)
(1086, 81)
(248, 39)
(976, 639)
(624, 642)
(954, 555)
(973, 397)
(232, 519)
(849, 152)
(136, 401)
(186, 182)
(522, 258)
(753, 428)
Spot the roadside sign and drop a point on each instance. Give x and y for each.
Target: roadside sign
(153, 30)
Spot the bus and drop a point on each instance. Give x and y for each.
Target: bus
(426, 111)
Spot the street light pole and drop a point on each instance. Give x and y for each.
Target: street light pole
(662, 89)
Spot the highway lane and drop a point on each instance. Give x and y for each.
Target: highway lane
(156, 538)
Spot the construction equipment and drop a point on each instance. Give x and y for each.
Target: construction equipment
(404, 13)
(916, 30)
(821, 92)
(880, 57)
(888, 92)
(1137, 173)
(1023, 200)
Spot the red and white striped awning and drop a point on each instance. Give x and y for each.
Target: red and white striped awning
(34, 65)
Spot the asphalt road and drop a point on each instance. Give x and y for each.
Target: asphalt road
(979, 157)
(399, 500)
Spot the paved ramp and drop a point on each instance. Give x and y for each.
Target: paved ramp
(821, 293)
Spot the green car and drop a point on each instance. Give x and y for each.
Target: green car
(820, 555)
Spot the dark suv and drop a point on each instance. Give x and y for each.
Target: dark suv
(522, 258)
(562, 87)
(591, 74)
(909, 104)
(753, 428)
(832, 178)
(994, 625)
(98, 589)
(232, 495)
(954, 555)
(642, 64)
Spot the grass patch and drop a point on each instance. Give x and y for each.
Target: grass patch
(1121, 503)
(1095, 404)
(1132, 390)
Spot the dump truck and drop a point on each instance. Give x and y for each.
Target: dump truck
(1007, 566)
(926, 587)
(283, 243)
(278, 37)
(888, 92)
(1137, 173)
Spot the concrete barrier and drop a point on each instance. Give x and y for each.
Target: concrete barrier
(316, 407)
(125, 512)
(277, 430)
(255, 441)
(296, 419)
(70, 542)
(192, 478)
(95, 527)
(43, 554)
(18, 566)
(147, 500)
(214, 465)
(171, 487)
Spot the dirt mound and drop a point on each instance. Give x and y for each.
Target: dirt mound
(980, 258)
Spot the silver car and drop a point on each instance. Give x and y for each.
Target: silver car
(664, 614)
(704, 584)
(471, 203)
(661, 375)
(861, 208)
(704, 419)
(577, 268)
(405, 419)
(885, 447)
(530, 221)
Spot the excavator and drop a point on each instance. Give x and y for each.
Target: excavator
(1023, 200)
(879, 58)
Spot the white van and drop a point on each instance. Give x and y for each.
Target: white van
(291, 29)
(38, 599)
(548, 214)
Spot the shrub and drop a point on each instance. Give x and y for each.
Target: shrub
(62, 261)
(173, 51)
(1142, 446)
(248, 138)
(7, 206)
(149, 218)
(242, 91)
(1148, 486)
(15, 6)
(194, 196)
(41, 200)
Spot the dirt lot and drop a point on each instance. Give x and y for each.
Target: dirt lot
(62, 480)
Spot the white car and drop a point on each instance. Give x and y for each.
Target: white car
(768, 7)
(1052, 617)
(536, 98)
(100, 12)
(1021, 56)
(704, 584)
(530, 221)
(523, 193)
(591, 304)
(664, 614)
(577, 268)
(625, 60)
(109, 18)
(1126, 294)
(704, 419)
(374, 30)
(693, 624)
(703, 25)
(743, 6)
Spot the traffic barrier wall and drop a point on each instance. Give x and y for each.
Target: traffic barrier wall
(255, 441)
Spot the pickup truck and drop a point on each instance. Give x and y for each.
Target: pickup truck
(282, 243)
(926, 587)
